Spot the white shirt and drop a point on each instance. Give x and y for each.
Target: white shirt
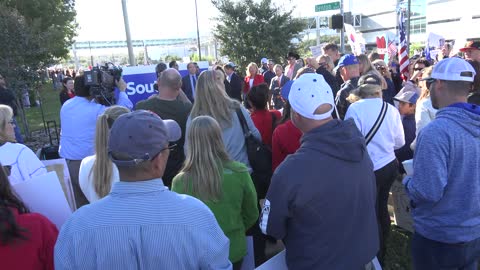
(389, 136)
(85, 178)
(25, 164)
(251, 83)
(424, 114)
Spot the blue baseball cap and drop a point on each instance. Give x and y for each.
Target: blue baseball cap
(286, 89)
(347, 60)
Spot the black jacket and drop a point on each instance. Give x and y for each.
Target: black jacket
(236, 85)
(187, 87)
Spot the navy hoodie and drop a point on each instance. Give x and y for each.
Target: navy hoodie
(321, 201)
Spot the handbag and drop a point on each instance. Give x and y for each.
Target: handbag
(377, 123)
(259, 156)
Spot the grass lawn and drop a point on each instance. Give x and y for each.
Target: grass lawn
(51, 109)
(398, 250)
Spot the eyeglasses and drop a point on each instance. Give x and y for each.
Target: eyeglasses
(429, 82)
(418, 69)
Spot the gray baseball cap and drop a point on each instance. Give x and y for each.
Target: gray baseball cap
(139, 136)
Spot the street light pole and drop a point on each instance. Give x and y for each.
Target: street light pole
(198, 33)
(131, 56)
(342, 32)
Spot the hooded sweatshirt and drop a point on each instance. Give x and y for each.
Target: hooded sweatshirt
(321, 201)
(445, 186)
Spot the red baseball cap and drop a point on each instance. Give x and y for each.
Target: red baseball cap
(471, 45)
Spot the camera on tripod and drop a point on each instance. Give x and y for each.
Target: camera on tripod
(102, 81)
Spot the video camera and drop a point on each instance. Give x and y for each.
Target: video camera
(102, 81)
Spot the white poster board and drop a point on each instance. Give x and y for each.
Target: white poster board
(60, 167)
(316, 50)
(277, 262)
(44, 195)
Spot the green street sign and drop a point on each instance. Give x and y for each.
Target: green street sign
(327, 6)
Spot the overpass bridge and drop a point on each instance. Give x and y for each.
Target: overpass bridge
(87, 45)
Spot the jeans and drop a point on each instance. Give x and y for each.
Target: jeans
(430, 254)
(18, 134)
(384, 179)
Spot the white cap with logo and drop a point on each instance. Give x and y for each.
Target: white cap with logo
(453, 69)
(307, 94)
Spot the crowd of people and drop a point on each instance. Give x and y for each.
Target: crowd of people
(175, 181)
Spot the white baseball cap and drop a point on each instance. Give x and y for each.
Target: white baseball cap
(453, 69)
(264, 60)
(307, 94)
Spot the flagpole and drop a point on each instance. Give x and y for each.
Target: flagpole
(408, 27)
(342, 31)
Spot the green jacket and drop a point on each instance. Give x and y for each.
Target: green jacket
(236, 211)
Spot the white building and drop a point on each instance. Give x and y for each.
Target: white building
(452, 19)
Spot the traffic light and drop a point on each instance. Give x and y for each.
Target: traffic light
(336, 22)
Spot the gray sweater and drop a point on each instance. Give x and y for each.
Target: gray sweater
(233, 137)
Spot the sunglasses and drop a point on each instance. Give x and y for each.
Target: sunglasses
(429, 82)
(418, 69)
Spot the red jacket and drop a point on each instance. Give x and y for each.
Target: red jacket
(285, 141)
(263, 121)
(258, 79)
(37, 251)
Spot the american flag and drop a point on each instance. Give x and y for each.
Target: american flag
(403, 53)
(391, 49)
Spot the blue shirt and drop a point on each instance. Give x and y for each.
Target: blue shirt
(445, 186)
(142, 225)
(78, 117)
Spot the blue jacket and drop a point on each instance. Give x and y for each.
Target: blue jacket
(445, 187)
(321, 201)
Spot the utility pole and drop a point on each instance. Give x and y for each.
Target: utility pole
(131, 56)
(198, 33)
(342, 32)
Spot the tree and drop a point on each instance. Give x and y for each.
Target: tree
(33, 34)
(304, 46)
(248, 31)
(53, 21)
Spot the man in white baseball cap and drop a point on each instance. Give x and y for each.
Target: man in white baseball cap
(445, 187)
(321, 200)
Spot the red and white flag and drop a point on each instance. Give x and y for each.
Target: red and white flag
(403, 50)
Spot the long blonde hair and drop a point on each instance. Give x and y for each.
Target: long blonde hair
(101, 171)
(423, 84)
(252, 64)
(206, 156)
(211, 98)
(368, 68)
(6, 115)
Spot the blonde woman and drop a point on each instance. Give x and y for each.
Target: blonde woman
(223, 185)
(326, 62)
(424, 113)
(366, 67)
(24, 164)
(253, 78)
(97, 173)
(212, 100)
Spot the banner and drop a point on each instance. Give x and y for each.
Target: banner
(140, 79)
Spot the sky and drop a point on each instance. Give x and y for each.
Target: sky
(102, 20)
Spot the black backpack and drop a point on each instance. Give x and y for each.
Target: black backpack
(259, 156)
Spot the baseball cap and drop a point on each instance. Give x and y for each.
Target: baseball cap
(471, 45)
(264, 60)
(139, 136)
(347, 60)
(286, 89)
(230, 65)
(452, 69)
(407, 96)
(307, 94)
